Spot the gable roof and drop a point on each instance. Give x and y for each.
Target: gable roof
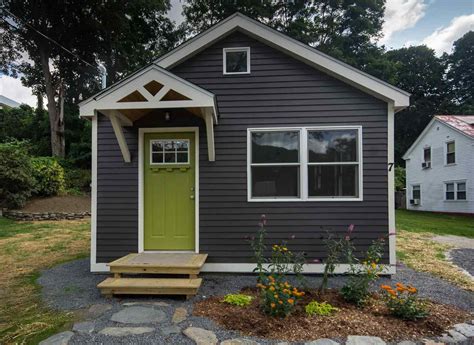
(292, 47)
(8, 102)
(463, 124)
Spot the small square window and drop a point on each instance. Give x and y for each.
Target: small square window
(236, 60)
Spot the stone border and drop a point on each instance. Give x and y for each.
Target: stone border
(29, 216)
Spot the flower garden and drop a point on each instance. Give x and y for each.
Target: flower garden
(282, 305)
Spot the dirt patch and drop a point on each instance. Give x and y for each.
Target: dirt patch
(372, 320)
(66, 203)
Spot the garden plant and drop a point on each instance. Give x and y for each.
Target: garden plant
(403, 302)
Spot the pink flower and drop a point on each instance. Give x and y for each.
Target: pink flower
(350, 228)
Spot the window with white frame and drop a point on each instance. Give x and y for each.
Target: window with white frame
(236, 60)
(450, 152)
(416, 192)
(427, 155)
(309, 163)
(169, 151)
(455, 191)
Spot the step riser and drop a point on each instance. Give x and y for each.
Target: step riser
(138, 291)
(153, 270)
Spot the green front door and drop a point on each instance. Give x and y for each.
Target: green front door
(169, 191)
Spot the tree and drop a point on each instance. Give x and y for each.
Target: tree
(460, 74)
(120, 34)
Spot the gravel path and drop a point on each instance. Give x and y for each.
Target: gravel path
(455, 241)
(71, 286)
(463, 258)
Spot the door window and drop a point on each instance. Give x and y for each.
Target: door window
(167, 151)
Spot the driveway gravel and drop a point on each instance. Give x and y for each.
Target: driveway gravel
(464, 258)
(71, 286)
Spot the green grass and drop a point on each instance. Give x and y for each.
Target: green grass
(440, 224)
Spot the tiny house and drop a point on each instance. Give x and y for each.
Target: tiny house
(239, 121)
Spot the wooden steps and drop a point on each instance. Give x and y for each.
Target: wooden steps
(156, 264)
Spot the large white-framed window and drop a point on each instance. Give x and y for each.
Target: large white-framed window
(455, 191)
(321, 163)
(450, 152)
(236, 60)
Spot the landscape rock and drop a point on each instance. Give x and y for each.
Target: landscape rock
(322, 341)
(97, 310)
(465, 329)
(124, 331)
(457, 336)
(83, 327)
(239, 341)
(180, 314)
(364, 340)
(200, 336)
(406, 342)
(173, 329)
(136, 315)
(58, 339)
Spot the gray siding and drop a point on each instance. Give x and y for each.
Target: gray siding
(280, 91)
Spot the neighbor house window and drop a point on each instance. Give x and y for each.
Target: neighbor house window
(427, 157)
(236, 60)
(456, 191)
(322, 163)
(450, 152)
(416, 192)
(169, 151)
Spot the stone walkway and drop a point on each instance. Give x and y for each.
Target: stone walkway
(170, 321)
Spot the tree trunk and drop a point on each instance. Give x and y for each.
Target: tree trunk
(55, 110)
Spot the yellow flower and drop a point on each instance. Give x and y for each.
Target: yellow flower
(374, 265)
(280, 302)
(276, 296)
(291, 300)
(273, 305)
(272, 288)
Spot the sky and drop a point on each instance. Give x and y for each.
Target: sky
(436, 23)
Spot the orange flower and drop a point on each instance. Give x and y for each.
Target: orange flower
(301, 293)
(411, 289)
(261, 286)
(400, 289)
(291, 300)
(272, 288)
(400, 285)
(273, 305)
(276, 296)
(391, 292)
(271, 278)
(386, 287)
(280, 302)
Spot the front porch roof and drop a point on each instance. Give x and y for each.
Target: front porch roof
(151, 88)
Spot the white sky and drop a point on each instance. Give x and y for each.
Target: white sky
(436, 23)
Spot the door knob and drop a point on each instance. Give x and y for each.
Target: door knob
(191, 197)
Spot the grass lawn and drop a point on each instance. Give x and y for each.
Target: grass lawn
(417, 249)
(440, 224)
(25, 249)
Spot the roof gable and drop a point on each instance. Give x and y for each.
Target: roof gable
(292, 47)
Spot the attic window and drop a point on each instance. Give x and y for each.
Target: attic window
(236, 60)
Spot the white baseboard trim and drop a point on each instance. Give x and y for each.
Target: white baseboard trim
(99, 267)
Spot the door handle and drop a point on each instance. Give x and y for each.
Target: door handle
(191, 197)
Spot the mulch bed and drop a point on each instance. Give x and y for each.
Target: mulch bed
(62, 203)
(372, 320)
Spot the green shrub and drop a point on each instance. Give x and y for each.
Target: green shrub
(403, 302)
(48, 175)
(238, 299)
(77, 181)
(400, 178)
(16, 181)
(321, 309)
(278, 297)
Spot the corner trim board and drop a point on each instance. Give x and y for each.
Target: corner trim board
(93, 259)
(391, 185)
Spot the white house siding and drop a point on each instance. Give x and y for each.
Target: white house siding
(432, 180)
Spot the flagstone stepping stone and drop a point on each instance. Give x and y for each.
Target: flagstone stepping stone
(180, 314)
(322, 341)
(406, 342)
(97, 310)
(465, 329)
(200, 336)
(137, 315)
(173, 329)
(239, 341)
(86, 327)
(124, 331)
(364, 340)
(58, 339)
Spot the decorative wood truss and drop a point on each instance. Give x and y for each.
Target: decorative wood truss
(148, 89)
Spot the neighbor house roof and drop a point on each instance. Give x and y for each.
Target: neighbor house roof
(8, 102)
(463, 124)
(286, 44)
(292, 47)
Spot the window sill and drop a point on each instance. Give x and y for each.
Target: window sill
(235, 73)
(456, 200)
(306, 200)
(450, 164)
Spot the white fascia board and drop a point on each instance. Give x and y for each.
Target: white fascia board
(294, 48)
(108, 99)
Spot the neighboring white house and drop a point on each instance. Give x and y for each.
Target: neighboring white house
(6, 102)
(440, 166)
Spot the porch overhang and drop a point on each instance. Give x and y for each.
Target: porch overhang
(151, 88)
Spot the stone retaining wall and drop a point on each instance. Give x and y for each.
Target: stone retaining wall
(29, 216)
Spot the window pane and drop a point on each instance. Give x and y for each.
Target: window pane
(427, 155)
(333, 180)
(450, 187)
(332, 146)
(275, 181)
(182, 145)
(157, 157)
(461, 187)
(157, 146)
(275, 147)
(449, 195)
(170, 157)
(182, 157)
(450, 158)
(451, 147)
(236, 61)
(461, 195)
(416, 192)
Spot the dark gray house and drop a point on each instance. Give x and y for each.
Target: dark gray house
(240, 121)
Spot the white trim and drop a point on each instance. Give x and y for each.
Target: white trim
(446, 143)
(100, 267)
(303, 164)
(307, 268)
(93, 262)
(118, 130)
(391, 186)
(235, 49)
(292, 47)
(141, 203)
(455, 191)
